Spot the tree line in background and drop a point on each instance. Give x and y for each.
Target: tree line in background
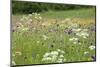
(22, 7)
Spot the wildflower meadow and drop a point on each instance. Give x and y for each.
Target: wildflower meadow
(54, 36)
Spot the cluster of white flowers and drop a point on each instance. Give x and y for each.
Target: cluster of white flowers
(92, 47)
(13, 63)
(54, 56)
(79, 32)
(38, 41)
(83, 33)
(45, 37)
(25, 29)
(74, 40)
(37, 16)
(73, 25)
(24, 18)
(31, 17)
(86, 52)
(27, 20)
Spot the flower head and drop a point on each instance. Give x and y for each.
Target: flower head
(92, 47)
(45, 37)
(54, 56)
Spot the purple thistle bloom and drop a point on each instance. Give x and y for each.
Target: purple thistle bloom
(93, 28)
(68, 31)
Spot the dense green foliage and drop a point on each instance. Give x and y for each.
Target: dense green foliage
(20, 7)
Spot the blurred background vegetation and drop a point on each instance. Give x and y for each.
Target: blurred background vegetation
(23, 7)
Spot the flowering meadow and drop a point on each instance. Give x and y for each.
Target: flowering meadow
(54, 37)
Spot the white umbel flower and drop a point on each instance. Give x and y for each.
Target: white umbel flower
(74, 42)
(58, 50)
(54, 53)
(47, 59)
(54, 56)
(13, 63)
(86, 52)
(92, 47)
(77, 30)
(45, 37)
(46, 55)
(60, 60)
(61, 56)
(73, 39)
